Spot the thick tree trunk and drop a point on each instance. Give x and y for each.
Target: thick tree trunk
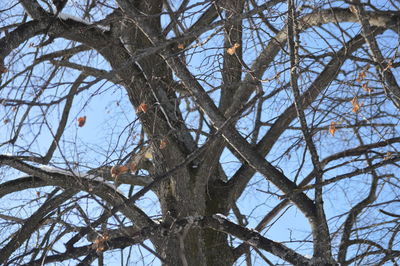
(197, 247)
(191, 245)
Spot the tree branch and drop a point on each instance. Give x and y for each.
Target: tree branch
(33, 222)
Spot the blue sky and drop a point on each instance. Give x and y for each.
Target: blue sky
(112, 128)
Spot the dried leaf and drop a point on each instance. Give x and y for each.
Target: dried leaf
(361, 76)
(81, 121)
(232, 50)
(163, 144)
(353, 9)
(6, 121)
(100, 243)
(148, 154)
(117, 170)
(142, 108)
(123, 169)
(355, 104)
(388, 155)
(114, 171)
(366, 88)
(181, 46)
(332, 128)
(133, 167)
(3, 69)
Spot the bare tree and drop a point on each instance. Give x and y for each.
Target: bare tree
(174, 127)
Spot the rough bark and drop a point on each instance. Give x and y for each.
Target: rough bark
(193, 190)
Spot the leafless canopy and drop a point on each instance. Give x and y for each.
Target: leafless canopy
(163, 131)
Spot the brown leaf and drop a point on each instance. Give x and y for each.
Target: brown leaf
(123, 169)
(117, 170)
(355, 104)
(114, 171)
(81, 121)
(3, 69)
(353, 9)
(142, 108)
(6, 121)
(388, 156)
(332, 128)
(361, 76)
(181, 46)
(100, 243)
(133, 167)
(366, 88)
(232, 50)
(163, 144)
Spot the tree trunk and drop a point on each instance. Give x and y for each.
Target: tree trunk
(197, 247)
